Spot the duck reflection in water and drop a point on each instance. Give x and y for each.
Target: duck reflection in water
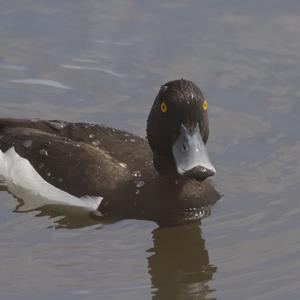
(179, 263)
(67, 217)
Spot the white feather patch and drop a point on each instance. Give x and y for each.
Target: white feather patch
(24, 182)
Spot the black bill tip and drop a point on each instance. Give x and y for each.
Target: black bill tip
(199, 173)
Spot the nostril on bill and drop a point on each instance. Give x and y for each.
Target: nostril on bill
(185, 147)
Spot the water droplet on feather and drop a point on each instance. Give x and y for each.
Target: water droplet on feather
(27, 143)
(139, 183)
(123, 165)
(44, 152)
(96, 143)
(137, 173)
(57, 124)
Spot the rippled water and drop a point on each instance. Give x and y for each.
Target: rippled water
(103, 61)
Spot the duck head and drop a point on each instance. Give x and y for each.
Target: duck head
(178, 129)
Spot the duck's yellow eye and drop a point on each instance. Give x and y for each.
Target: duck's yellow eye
(163, 107)
(205, 105)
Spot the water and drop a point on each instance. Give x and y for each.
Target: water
(103, 61)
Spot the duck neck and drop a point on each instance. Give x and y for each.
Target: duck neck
(165, 165)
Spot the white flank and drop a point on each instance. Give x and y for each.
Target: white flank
(24, 182)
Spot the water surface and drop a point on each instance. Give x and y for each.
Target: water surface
(103, 62)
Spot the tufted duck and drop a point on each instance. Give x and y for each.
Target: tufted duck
(115, 172)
